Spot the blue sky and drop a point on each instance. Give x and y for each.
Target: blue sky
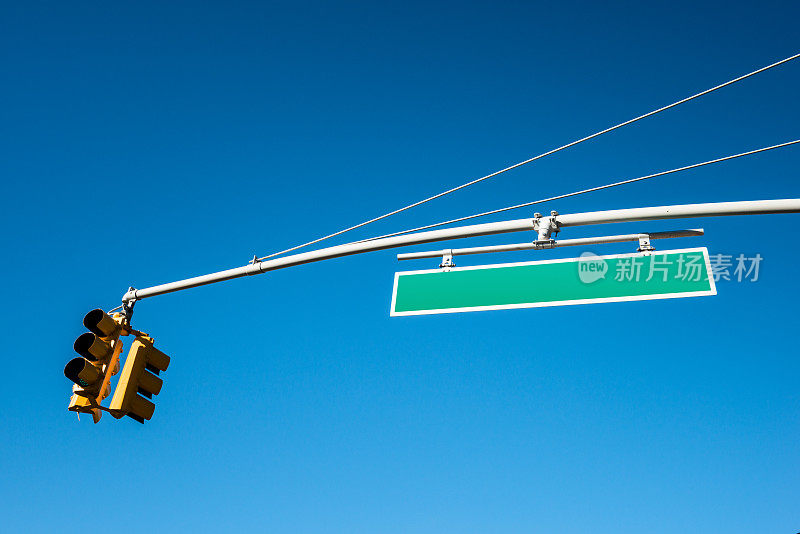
(143, 143)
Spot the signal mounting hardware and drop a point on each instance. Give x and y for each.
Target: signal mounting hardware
(99, 351)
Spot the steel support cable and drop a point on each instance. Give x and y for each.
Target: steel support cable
(540, 156)
(582, 191)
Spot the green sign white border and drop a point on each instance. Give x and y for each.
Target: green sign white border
(710, 292)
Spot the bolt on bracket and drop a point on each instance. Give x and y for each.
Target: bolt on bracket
(447, 260)
(644, 244)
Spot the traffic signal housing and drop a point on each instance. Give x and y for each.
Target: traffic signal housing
(99, 351)
(139, 376)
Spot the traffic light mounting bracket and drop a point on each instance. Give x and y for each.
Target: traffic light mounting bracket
(126, 308)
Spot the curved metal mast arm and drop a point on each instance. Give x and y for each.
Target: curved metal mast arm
(681, 211)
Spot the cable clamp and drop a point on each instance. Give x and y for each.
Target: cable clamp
(545, 226)
(547, 243)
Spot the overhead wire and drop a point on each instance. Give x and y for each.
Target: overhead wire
(582, 191)
(525, 162)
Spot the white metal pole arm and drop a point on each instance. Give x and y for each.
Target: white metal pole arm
(682, 211)
(518, 225)
(749, 207)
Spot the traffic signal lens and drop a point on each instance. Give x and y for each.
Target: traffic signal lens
(82, 372)
(92, 347)
(100, 323)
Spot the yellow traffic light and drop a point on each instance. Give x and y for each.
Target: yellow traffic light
(99, 349)
(83, 372)
(143, 363)
(101, 324)
(92, 347)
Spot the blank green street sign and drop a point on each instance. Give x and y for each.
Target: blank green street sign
(585, 280)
